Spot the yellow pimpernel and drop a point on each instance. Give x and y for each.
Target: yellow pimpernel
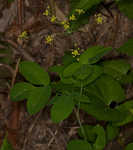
(46, 12)
(79, 11)
(75, 53)
(99, 18)
(72, 17)
(53, 18)
(49, 39)
(23, 35)
(65, 24)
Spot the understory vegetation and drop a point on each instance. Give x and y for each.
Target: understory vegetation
(85, 81)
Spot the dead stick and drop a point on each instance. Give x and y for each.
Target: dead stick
(13, 123)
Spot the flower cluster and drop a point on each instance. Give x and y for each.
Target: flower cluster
(72, 17)
(53, 18)
(23, 35)
(75, 53)
(79, 11)
(65, 24)
(47, 13)
(99, 18)
(49, 39)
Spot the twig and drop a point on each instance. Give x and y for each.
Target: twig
(8, 67)
(30, 129)
(20, 12)
(22, 51)
(53, 137)
(13, 123)
(15, 73)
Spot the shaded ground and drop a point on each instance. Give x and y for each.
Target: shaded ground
(38, 132)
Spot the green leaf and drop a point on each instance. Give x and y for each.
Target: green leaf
(127, 109)
(129, 146)
(71, 69)
(101, 112)
(110, 89)
(93, 54)
(78, 145)
(100, 140)
(68, 59)
(58, 69)
(60, 87)
(127, 79)
(126, 6)
(127, 48)
(96, 72)
(62, 108)
(68, 80)
(89, 132)
(112, 132)
(83, 4)
(37, 99)
(83, 72)
(93, 92)
(20, 91)
(34, 73)
(116, 68)
(80, 98)
(93, 73)
(6, 145)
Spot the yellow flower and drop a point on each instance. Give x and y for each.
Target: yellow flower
(72, 17)
(75, 53)
(46, 12)
(99, 18)
(79, 11)
(49, 39)
(64, 22)
(23, 35)
(66, 26)
(53, 18)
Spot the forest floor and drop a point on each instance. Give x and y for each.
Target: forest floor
(38, 132)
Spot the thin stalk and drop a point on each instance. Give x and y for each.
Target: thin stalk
(78, 116)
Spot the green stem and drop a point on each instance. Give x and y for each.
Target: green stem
(78, 116)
